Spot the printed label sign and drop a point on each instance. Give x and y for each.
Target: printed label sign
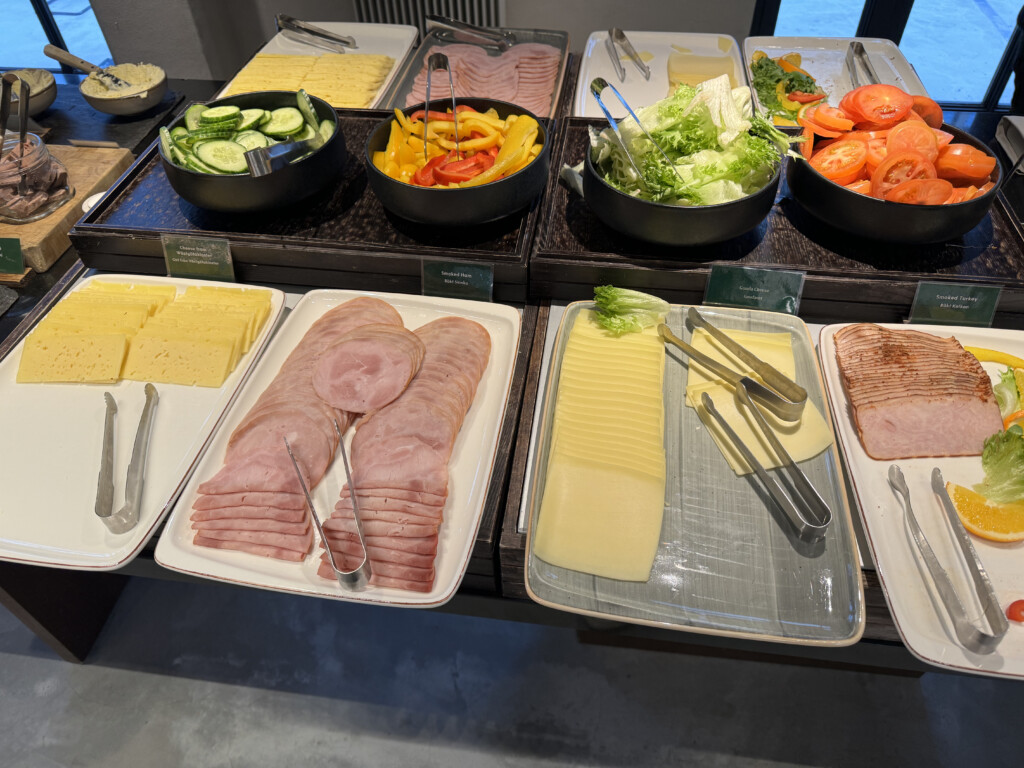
(11, 260)
(454, 280)
(955, 304)
(202, 258)
(774, 290)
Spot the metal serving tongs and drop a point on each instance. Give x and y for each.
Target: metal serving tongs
(971, 637)
(803, 506)
(127, 517)
(313, 35)
(435, 62)
(460, 31)
(597, 86)
(616, 37)
(855, 54)
(359, 577)
(264, 160)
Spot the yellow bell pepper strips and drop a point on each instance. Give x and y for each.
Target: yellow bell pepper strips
(519, 141)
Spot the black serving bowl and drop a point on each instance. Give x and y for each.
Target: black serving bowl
(243, 193)
(876, 219)
(459, 207)
(676, 224)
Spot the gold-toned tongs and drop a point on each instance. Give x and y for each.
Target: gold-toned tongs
(801, 503)
(357, 578)
(971, 637)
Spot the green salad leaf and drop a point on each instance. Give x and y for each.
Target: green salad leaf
(1007, 394)
(623, 310)
(767, 74)
(720, 151)
(1002, 458)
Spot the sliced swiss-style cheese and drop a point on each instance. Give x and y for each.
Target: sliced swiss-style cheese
(604, 489)
(178, 361)
(79, 358)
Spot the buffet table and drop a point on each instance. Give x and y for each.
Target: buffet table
(558, 254)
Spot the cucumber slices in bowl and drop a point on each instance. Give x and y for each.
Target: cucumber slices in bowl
(215, 139)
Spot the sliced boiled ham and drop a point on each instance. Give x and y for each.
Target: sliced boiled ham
(368, 367)
(401, 453)
(257, 481)
(913, 394)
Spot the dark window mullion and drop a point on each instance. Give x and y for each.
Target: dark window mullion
(50, 28)
(766, 16)
(884, 18)
(1004, 70)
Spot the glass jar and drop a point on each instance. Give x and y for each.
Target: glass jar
(32, 186)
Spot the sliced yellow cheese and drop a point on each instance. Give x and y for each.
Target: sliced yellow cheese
(178, 361)
(604, 489)
(803, 439)
(79, 358)
(776, 349)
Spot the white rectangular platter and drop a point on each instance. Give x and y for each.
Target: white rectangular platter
(638, 91)
(470, 465)
(52, 436)
(394, 40)
(824, 59)
(724, 566)
(916, 608)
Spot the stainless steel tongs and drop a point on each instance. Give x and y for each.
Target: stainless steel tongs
(971, 637)
(127, 517)
(460, 31)
(435, 62)
(311, 34)
(264, 160)
(616, 37)
(801, 503)
(855, 54)
(359, 577)
(597, 86)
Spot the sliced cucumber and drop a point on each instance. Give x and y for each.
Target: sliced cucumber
(266, 118)
(177, 156)
(224, 156)
(305, 134)
(220, 115)
(251, 118)
(327, 128)
(306, 108)
(178, 131)
(194, 163)
(284, 122)
(252, 139)
(212, 132)
(192, 115)
(166, 143)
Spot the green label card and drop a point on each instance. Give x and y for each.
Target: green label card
(203, 258)
(775, 290)
(455, 280)
(955, 304)
(11, 261)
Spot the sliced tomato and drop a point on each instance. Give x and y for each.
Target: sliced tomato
(920, 192)
(929, 111)
(897, 168)
(876, 154)
(881, 104)
(807, 145)
(841, 160)
(862, 186)
(986, 188)
(832, 118)
(956, 196)
(802, 97)
(914, 117)
(943, 138)
(463, 170)
(913, 136)
(848, 108)
(962, 163)
(805, 118)
(868, 135)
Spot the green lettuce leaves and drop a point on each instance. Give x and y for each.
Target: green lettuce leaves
(719, 150)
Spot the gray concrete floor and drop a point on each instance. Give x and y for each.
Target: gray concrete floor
(204, 675)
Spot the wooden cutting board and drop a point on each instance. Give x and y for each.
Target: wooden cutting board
(91, 170)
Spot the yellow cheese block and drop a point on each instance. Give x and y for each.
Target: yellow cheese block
(343, 80)
(80, 358)
(776, 349)
(604, 487)
(178, 361)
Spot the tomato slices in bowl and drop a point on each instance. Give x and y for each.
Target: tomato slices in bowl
(899, 174)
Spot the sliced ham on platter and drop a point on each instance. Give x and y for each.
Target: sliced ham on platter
(400, 454)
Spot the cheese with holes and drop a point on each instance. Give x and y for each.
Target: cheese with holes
(93, 357)
(604, 488)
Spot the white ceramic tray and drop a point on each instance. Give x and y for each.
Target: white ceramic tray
(725, 567)
(635, 89)
(470, 465)
(913, 601)
(394, 40)
(52, 434)
(824, 59)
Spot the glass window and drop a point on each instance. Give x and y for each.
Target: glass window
(956, 61)
(24, 36)
(808, 18)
